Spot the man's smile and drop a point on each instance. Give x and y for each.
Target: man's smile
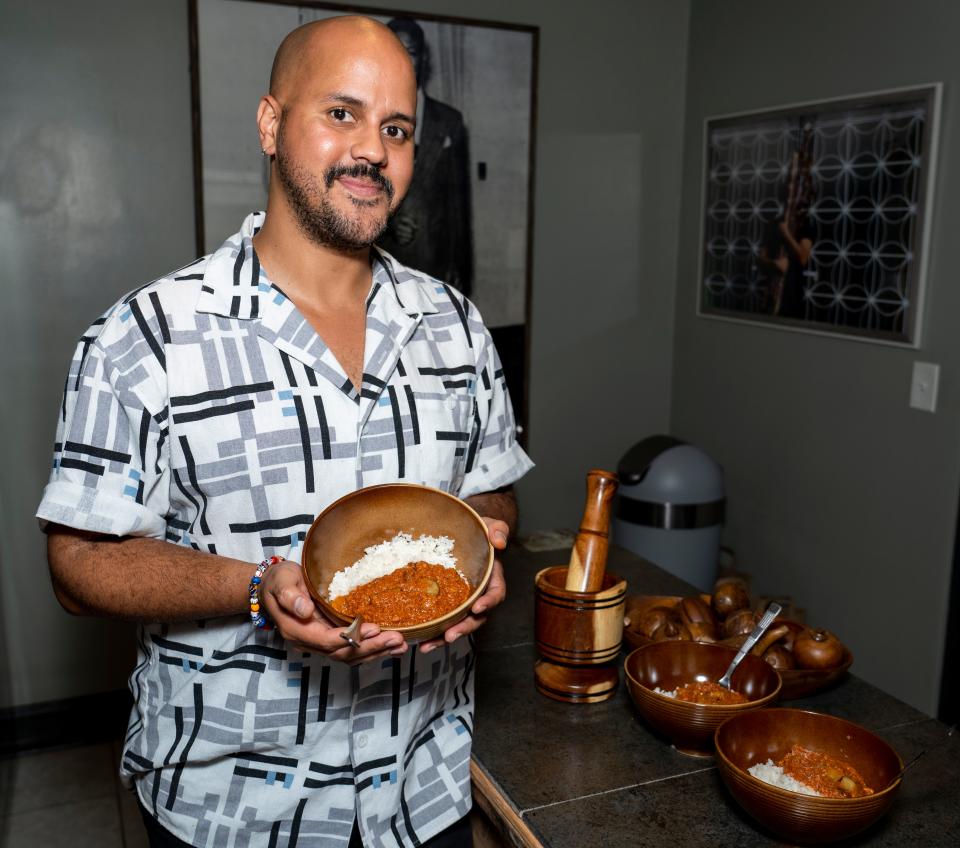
(361, 187)
(362, 181)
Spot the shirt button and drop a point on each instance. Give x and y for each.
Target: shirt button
(361, 741)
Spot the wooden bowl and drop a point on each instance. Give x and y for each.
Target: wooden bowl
(751, 738)
(667, 665)
(637, 605)
(797, 682)
(345, 529)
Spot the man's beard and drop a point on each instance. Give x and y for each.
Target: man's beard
(318, 218)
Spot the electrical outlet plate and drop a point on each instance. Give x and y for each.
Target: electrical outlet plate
(923, 386)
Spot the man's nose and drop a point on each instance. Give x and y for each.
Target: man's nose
(368, 146)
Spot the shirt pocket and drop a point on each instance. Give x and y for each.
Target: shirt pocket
(445, 425)
(223, 448)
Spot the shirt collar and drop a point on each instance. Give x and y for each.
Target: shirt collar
(235, 286)
(406, 284)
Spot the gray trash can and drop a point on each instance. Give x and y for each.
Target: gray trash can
(670, 508)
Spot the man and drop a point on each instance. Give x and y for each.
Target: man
(219, 409)
(432, 230)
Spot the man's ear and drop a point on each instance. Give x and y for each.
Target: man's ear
(268, 123)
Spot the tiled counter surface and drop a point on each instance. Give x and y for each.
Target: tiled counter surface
(595, 774)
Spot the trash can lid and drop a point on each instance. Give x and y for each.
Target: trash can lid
(663, 469)
(635, 463)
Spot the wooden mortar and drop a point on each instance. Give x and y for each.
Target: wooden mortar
(579, 610)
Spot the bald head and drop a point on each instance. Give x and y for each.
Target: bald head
(339, 125)
(331, 39)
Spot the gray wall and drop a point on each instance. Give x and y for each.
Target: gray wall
(605, 240)
(96, 197)
(839, 494)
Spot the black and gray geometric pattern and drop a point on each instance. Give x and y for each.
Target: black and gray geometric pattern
(868, 171)
(204, 409)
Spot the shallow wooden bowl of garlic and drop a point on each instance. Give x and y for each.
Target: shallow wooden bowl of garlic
(361, 525)
(821, 661)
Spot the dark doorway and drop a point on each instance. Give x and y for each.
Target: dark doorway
(949, 707)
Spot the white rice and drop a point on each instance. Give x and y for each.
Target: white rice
(385, 558)
(670, 694)
(769, 773)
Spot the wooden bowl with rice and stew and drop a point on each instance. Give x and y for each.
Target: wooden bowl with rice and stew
(673, 685)
(808, 777)
(408, 558)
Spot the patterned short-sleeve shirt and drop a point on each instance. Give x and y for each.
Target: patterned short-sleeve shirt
(203, 409)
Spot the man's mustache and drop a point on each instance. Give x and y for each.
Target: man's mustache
(359, 171)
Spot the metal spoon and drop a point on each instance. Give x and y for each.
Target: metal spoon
(772, 612)
(352, 633)
(924, 751)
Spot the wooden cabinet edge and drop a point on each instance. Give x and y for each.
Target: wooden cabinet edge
(498, 811)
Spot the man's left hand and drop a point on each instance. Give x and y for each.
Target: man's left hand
(498, 532)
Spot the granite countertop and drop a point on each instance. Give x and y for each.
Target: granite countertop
(579, 774)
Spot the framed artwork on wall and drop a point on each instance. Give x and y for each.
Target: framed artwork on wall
(816, 216)
(467, 218)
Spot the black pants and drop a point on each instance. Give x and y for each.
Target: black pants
(456, 836)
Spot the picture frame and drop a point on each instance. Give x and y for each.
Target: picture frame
(815, 216)
(470, 213)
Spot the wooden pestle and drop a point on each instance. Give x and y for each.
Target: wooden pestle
(588, 559)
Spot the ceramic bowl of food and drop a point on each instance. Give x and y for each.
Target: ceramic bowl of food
(837, 757)
(363, 536)
(657, 673)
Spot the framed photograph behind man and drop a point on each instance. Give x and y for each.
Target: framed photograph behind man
(816, 216)
(467, 218)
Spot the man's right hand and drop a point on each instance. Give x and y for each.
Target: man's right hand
(298, 619)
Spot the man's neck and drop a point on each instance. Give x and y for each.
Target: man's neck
(320, 277)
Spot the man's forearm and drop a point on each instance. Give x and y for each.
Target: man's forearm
(500, 504)
(143, 579)
(138, 579)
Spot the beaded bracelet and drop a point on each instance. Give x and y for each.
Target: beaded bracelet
(257, 618)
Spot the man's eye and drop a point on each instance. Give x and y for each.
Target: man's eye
(395, 132)
(339, 114)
